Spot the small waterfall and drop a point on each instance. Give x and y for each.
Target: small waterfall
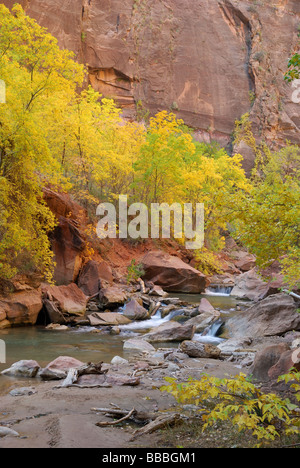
(219, 290)
(154, 321)
(214, 328)
(210, 334)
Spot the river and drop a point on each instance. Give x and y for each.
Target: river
(84, 343)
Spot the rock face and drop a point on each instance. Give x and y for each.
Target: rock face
(66, 241)
(210, 63)
(275, 315)
(172, 274)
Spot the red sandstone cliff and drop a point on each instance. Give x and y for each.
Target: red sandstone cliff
(205, 59)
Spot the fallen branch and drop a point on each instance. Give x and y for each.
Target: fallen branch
(138, 417)
(142, 285)
(104, 385)
(113, 423)
(291, 294)
(74, 374)
(159, 423)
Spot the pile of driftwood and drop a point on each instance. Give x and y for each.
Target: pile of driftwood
(151, 421)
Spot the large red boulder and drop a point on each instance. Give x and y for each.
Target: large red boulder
(172, 274)
(69, 300)
(92, 275)
(20, 308)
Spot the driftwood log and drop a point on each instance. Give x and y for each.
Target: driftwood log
(139, 417)
(152, 421)
(74, 374)
(164, 420)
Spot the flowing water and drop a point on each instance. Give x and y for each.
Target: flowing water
(84, 344)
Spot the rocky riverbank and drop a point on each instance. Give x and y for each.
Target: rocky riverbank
(162, 335)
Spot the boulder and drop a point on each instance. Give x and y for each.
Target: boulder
(287, 360)
(69, 300)
(172, 274)
(134, 311)
(59, 368)
(22, 391)
(170, 331)
(232, 345)
(249, 286)
(4, 323)
(266, 359)
(275, 315)
(157, 291)
(138, 345)
(206, 316)
(118, 360)
(90, 277)
(21, 308)
(6, 431)
(200, 350)
(205, 307)
(201, 322)
(243, 260)
(107, 318)
(23, 368)
(112, 296)
(53, 312)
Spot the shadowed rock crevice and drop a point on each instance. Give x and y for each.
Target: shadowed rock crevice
(241, 26)
(113, 83)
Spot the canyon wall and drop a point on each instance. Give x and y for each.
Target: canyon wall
(210, 61)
